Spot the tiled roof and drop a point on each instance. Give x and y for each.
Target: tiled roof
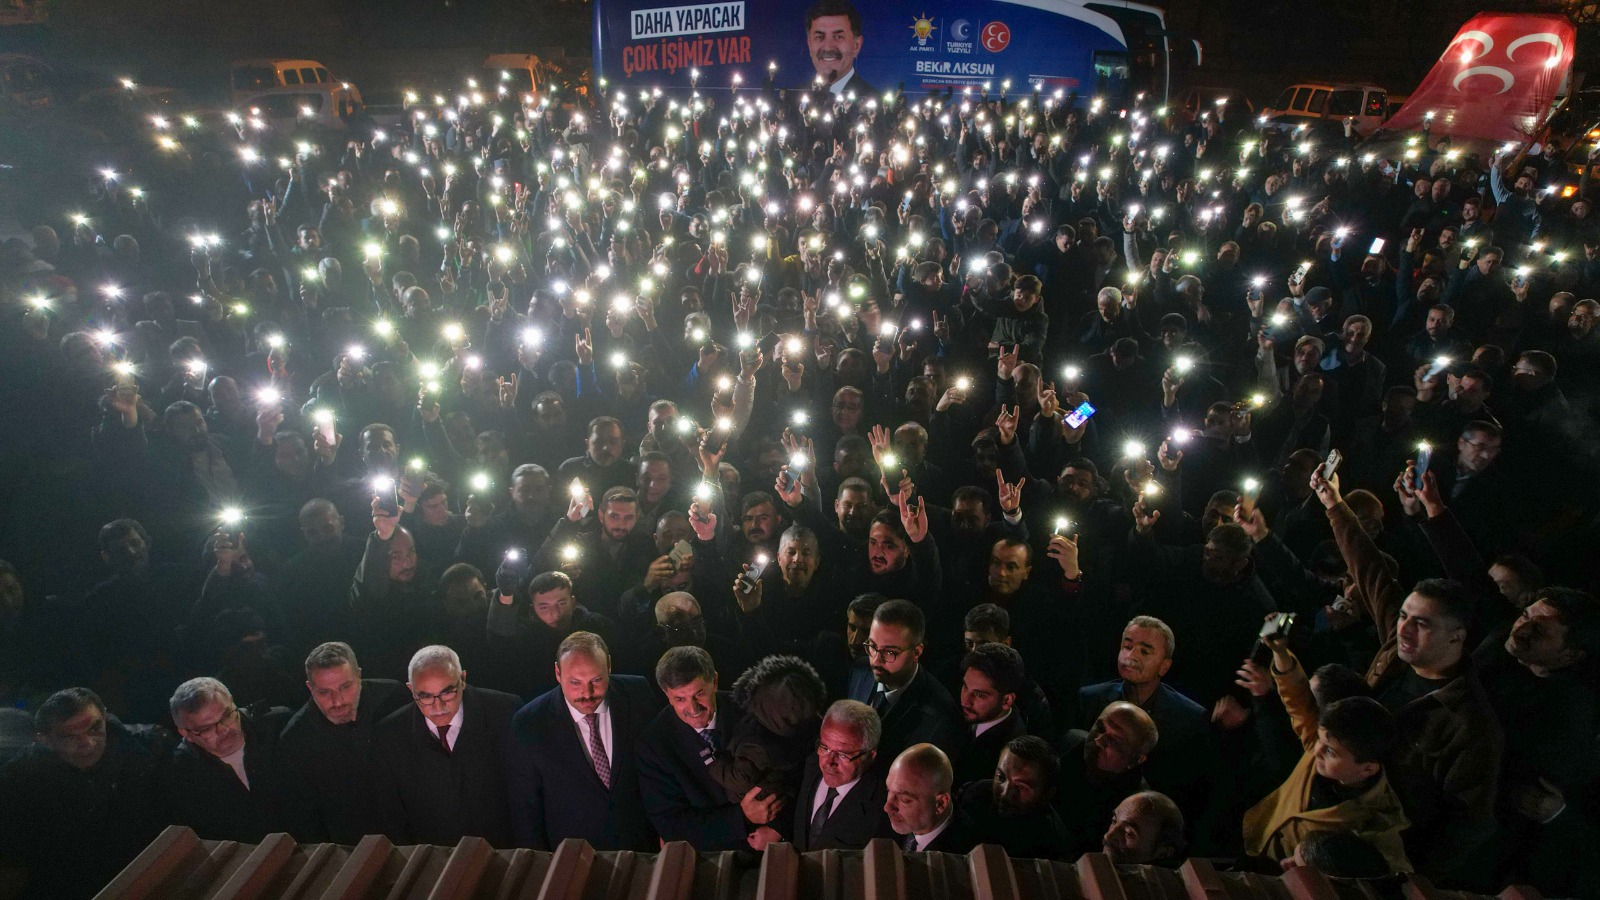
(180, 866)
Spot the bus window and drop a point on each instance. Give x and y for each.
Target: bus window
(1111, 70)
(1344, 103)
(1319, 99)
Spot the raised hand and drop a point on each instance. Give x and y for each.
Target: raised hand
(1144, 519)
(1006, 423)
(913, 518)
(1064, 550)
(1009, 495)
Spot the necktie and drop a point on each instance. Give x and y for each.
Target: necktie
(709, 735)
(820, 818)
(880, 701)
(597, 750)
(444, 736)
(911, 843)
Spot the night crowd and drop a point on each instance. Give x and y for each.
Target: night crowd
(1035, 469)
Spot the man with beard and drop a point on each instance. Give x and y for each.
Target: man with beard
(891, 679)
(900, 558)
(326, 749)
(393, 608)
(759, 523)
(695, 573)
(787, 621)
(312, 589)
(1146, 829)
(524, 635)
(81, 800)
(602, 466)
(223, 780)
(1357, 376)
(127, 623)
(1101, 768)
(178, 475)
(1146, 655)
(922, 811)
(1209, 593)
(972, 530)
(1012, 806)
(992, 679)
(526, 523)
(1446, 770)
(1045, 612)
(613, 554)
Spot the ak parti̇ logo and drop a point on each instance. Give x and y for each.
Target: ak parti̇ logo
(996, 36)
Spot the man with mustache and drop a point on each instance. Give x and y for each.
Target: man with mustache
(1012, 808)
(572, 760)
(780, 614)
(833, 41)
(992, 680)
(972, 530)
(1146, 655)
(1146, 829)
(327, 749)
(891, 679)
(1100, 768)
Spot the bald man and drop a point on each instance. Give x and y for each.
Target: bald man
(921, 809)
(1100, 768)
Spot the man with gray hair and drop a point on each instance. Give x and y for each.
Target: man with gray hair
(683, 799)
(441, 758)
(326, 750)
(223, 780)
(780, 614)
(842, 793)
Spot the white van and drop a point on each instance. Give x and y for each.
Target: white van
(1367, 104)
(251, 79)
(519, 73)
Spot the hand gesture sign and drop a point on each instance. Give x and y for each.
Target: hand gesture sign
(1006, 423)
(913, 518)
(1010, 495)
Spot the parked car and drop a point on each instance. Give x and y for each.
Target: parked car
(1367, 104)
(251, 79)
(1190, 103)
(518, 73)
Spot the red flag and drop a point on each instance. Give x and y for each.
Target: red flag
(1495, 81)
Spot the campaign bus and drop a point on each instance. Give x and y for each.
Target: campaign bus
(1107, 49)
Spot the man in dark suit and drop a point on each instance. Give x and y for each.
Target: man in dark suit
(1186, 741)
(681, 798)
(1012, 808)
(443, 757)
(921, 809)
(222, 780)
(842, 794)
(572, 761)
(913, 705)
(326, 751)
(833, 40)
(991, 678)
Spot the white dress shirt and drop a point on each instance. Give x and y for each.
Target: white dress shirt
(822, 794)
(923, 840)
(981, 727)
(604, 722)
(837, 88)
(453, 733)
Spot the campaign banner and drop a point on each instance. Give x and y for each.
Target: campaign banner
(913, 46)
(1495, 81)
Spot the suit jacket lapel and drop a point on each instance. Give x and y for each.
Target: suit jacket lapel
(569, 739)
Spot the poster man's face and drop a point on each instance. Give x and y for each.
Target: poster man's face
(834, 45)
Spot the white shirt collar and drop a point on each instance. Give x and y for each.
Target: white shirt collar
(923, 840)
(981, 727)
(839, 794)
(709, 725)
(837, 88)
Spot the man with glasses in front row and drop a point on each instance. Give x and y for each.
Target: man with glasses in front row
(913, 705)
(223, 779)
(840, 804)
(442, 757)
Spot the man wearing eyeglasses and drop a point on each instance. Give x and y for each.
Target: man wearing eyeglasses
(442, 757)
(223, 780)
(840, 804)
(891, 679)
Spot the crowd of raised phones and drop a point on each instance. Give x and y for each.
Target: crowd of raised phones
(764, 465)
